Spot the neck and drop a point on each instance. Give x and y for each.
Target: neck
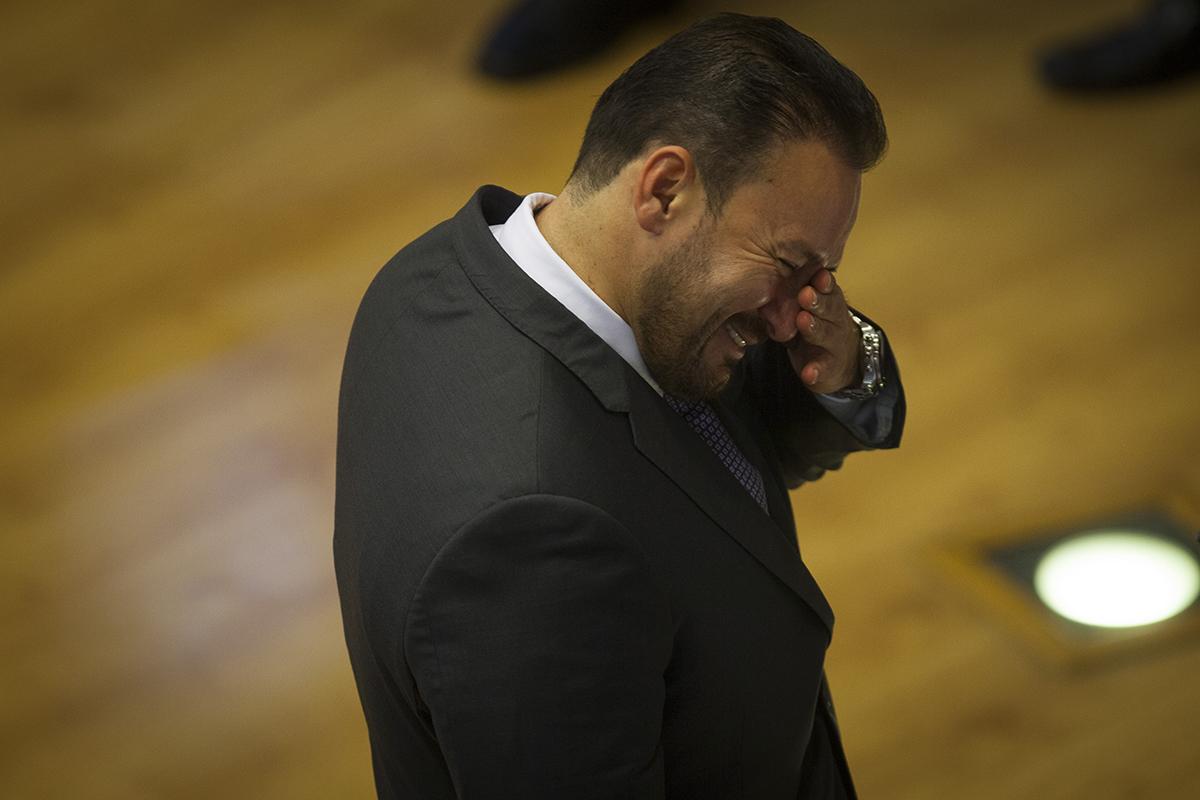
(578, 233)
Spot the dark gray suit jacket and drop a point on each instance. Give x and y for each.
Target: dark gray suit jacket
(551, 587)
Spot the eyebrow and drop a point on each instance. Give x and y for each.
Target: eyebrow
(801, 247)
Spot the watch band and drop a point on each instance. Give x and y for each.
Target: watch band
(871, 358)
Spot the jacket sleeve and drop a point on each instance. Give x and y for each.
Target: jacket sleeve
(538, 641)
(808, 440)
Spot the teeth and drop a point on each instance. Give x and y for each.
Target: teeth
(733, 334)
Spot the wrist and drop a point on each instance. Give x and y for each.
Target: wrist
(868, 379)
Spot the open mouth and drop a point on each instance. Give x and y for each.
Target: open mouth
(738, 339)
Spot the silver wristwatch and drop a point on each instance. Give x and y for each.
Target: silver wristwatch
(871, 359)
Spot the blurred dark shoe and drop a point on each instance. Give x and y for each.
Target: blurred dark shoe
(1160, 45)
(539, 36)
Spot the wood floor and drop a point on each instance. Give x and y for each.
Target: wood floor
(195, 196)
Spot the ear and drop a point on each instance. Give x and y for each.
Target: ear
(667, 189)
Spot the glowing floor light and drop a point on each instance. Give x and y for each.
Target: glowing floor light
(1117, 579)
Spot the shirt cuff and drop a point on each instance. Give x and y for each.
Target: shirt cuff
(869, 419)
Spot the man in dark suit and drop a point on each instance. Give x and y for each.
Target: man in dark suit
(564, 545)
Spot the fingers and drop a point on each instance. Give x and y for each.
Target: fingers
(824, 281)
(827, 344)
(822, 298)
(818, 330)
(810, 374)
(825, 350)
(815, 373)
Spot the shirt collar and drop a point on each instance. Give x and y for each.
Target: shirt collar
(520, 237)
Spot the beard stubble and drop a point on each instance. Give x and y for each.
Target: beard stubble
(670, 336)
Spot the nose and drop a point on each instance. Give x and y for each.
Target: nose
(780, 312)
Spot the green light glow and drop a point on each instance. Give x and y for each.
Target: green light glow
(1117, 579)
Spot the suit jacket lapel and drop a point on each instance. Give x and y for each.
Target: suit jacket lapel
(659, 433)
(667, 440)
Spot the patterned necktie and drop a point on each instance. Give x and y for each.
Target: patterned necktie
(705, 422)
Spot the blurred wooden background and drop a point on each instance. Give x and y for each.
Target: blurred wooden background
(195, 196)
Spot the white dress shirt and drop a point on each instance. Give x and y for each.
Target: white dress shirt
(520, 237)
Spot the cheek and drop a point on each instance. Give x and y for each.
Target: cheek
(751, 294)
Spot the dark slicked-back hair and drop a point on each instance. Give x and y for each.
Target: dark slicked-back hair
(729, 88)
